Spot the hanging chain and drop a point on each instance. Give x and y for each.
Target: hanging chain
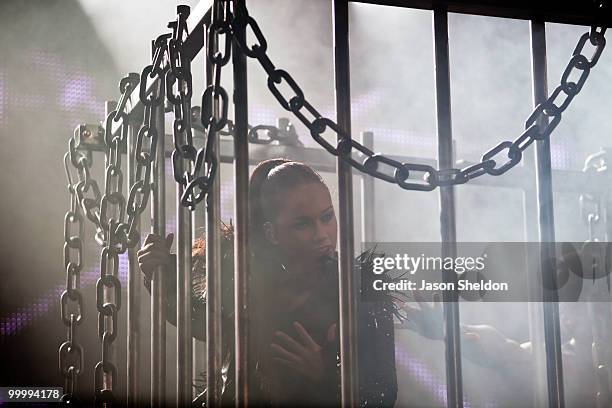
(86, 192)
(197, 181)
(496, 161)
(112, 213)
(71, 352)
(107, 212)
(185, 154)
(284, 133)
(121, 234)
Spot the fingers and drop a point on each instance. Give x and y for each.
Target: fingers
(148, 266)
(410, 325)
(153, 257)
(151, 238)
(151, 246)
(422, 302)
(154, 247)
(285, 354)
(293, 365)
(289, 343)
(414, 318)
(306, 339)
(411, 311)
(154, 238)
(418, 296)
(287, 363)
(154, 253)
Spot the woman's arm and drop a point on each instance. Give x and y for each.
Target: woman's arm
(154, 253)
(482, 344)
(377, 372)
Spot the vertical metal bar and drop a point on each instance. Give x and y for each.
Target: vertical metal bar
(454, 391)
(183, 297)
(534, 283)
(552, 335)
(109, 106)
(213, 269)
(607, 215)
(158, 284)
(199, 347)
(347, 286)
(133, 291)
(241, 215)
(368, 213)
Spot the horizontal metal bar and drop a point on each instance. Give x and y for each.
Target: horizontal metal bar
(569, 12)
(197, 20)
(519, 177)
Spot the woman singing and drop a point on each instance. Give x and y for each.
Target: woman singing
(293, 296)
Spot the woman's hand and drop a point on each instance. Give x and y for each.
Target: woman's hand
(304, 356)
(487, 346)
(155, 252)
(482, 344)
(427, 319)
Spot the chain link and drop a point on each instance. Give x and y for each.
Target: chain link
(120, 233)
(70, 351)
(112, 213)
(107, 211)
(196, 169)
(495, 162)
(169, 66)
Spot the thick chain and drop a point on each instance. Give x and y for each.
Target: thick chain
(285, 133)
(87, 193)
(496, 161)
(121, 234)
(198, 181)
(112, 214)
(185, 154)
(71, 352)
(107, 211)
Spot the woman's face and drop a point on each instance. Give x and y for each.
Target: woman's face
(305, 228)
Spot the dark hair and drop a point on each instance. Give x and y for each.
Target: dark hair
(270, 178)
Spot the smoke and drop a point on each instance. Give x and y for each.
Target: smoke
(67, 58)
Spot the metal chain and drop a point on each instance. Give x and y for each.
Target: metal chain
(112, 214)
(284, 133)
(88, 195)
(198, 181)
(496, 161)
(107, 212)
(185, 154)
(121, 234)
(71, 352)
